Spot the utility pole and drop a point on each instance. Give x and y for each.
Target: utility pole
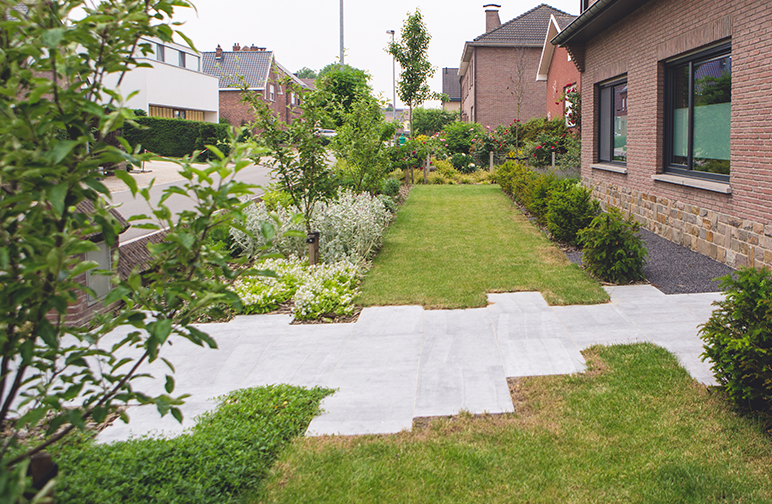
(393, 87)
(342, 64)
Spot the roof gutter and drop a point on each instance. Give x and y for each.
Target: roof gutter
(581, 22)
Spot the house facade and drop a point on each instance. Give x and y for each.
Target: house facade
(173, 86)
(258, 69)
(675, 119)
(558, 71)
(451, 86)
(497, 68)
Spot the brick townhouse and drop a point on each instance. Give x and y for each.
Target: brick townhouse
(497, 68)
(558, 71)
(262, 74)
(675, 118)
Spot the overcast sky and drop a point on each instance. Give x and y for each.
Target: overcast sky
(306, 33)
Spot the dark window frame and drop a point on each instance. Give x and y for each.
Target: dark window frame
(690, 59)
(160, 53)
(610, 84)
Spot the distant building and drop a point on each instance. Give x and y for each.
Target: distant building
(173, 86)
(258, 69)
(451, 86)
(498, 67)
(557, 69)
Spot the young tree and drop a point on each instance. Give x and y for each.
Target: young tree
(306, 73)
(296, 151)
(339, 88)
(57, 122)
(411, 52)
(430, 121)
(360, 143)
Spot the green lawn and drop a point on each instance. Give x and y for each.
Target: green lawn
(450, 245)
(634, 429)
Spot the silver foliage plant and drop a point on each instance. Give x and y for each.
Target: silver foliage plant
(351, 227)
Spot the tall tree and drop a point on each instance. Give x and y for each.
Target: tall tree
(340, 88)
(55, 132)
(411, 52)
(306, 73)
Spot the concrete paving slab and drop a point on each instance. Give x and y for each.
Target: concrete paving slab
(460, 365)
(400, 362)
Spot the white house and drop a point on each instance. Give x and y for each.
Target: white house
(174, 86)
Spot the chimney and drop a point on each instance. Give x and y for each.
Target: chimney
(492, 20)
(236, 47)
(218, 52)
(253, 47)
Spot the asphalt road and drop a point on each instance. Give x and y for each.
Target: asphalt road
(129, 206)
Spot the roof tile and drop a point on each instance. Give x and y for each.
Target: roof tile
(528, 28)
(254, 66)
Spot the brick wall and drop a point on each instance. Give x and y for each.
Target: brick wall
(493, 72)
(734, 228)
(562, 72)
(239, 114)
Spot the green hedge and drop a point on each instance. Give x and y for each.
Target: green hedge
(174, 137)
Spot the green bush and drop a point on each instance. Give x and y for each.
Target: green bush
(612, 250)
(174, 137)
(228, 451)
(540, 152)
(570, 209)
(390, 187)
(738, 340)
(529, 131)
(463, 163)
(516, 180)
(542, 187)
(459, 135)
(212, 134)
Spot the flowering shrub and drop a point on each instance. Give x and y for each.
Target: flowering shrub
(257, 218)
(541, 151)
(351, 228)
(322, 289)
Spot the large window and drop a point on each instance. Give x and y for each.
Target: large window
(612, 134)
(698, 113)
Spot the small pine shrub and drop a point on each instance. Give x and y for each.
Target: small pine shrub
(612, 250)
(390, 187)
(738, 340)
(570, 209)
(541, 191)
(517, 180)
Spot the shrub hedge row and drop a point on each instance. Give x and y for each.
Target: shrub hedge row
(175, 137)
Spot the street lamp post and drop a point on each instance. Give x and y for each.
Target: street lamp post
(393, 87)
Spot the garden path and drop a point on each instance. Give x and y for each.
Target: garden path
(400, 362)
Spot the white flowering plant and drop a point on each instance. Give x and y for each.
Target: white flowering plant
(316, 291)
(351, 228)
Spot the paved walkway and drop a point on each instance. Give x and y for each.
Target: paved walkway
(401, 362)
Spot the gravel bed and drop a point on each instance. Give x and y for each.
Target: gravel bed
(675, 269)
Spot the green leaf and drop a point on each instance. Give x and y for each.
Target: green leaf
(177, 414)
(57, 197)
(128, 180)
(169, 384)
(200, 336)
(62, 149)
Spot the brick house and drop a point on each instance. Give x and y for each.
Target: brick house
(451, 86)
(558, 71)
(262, 74)
(498, 67)
(690, 156)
